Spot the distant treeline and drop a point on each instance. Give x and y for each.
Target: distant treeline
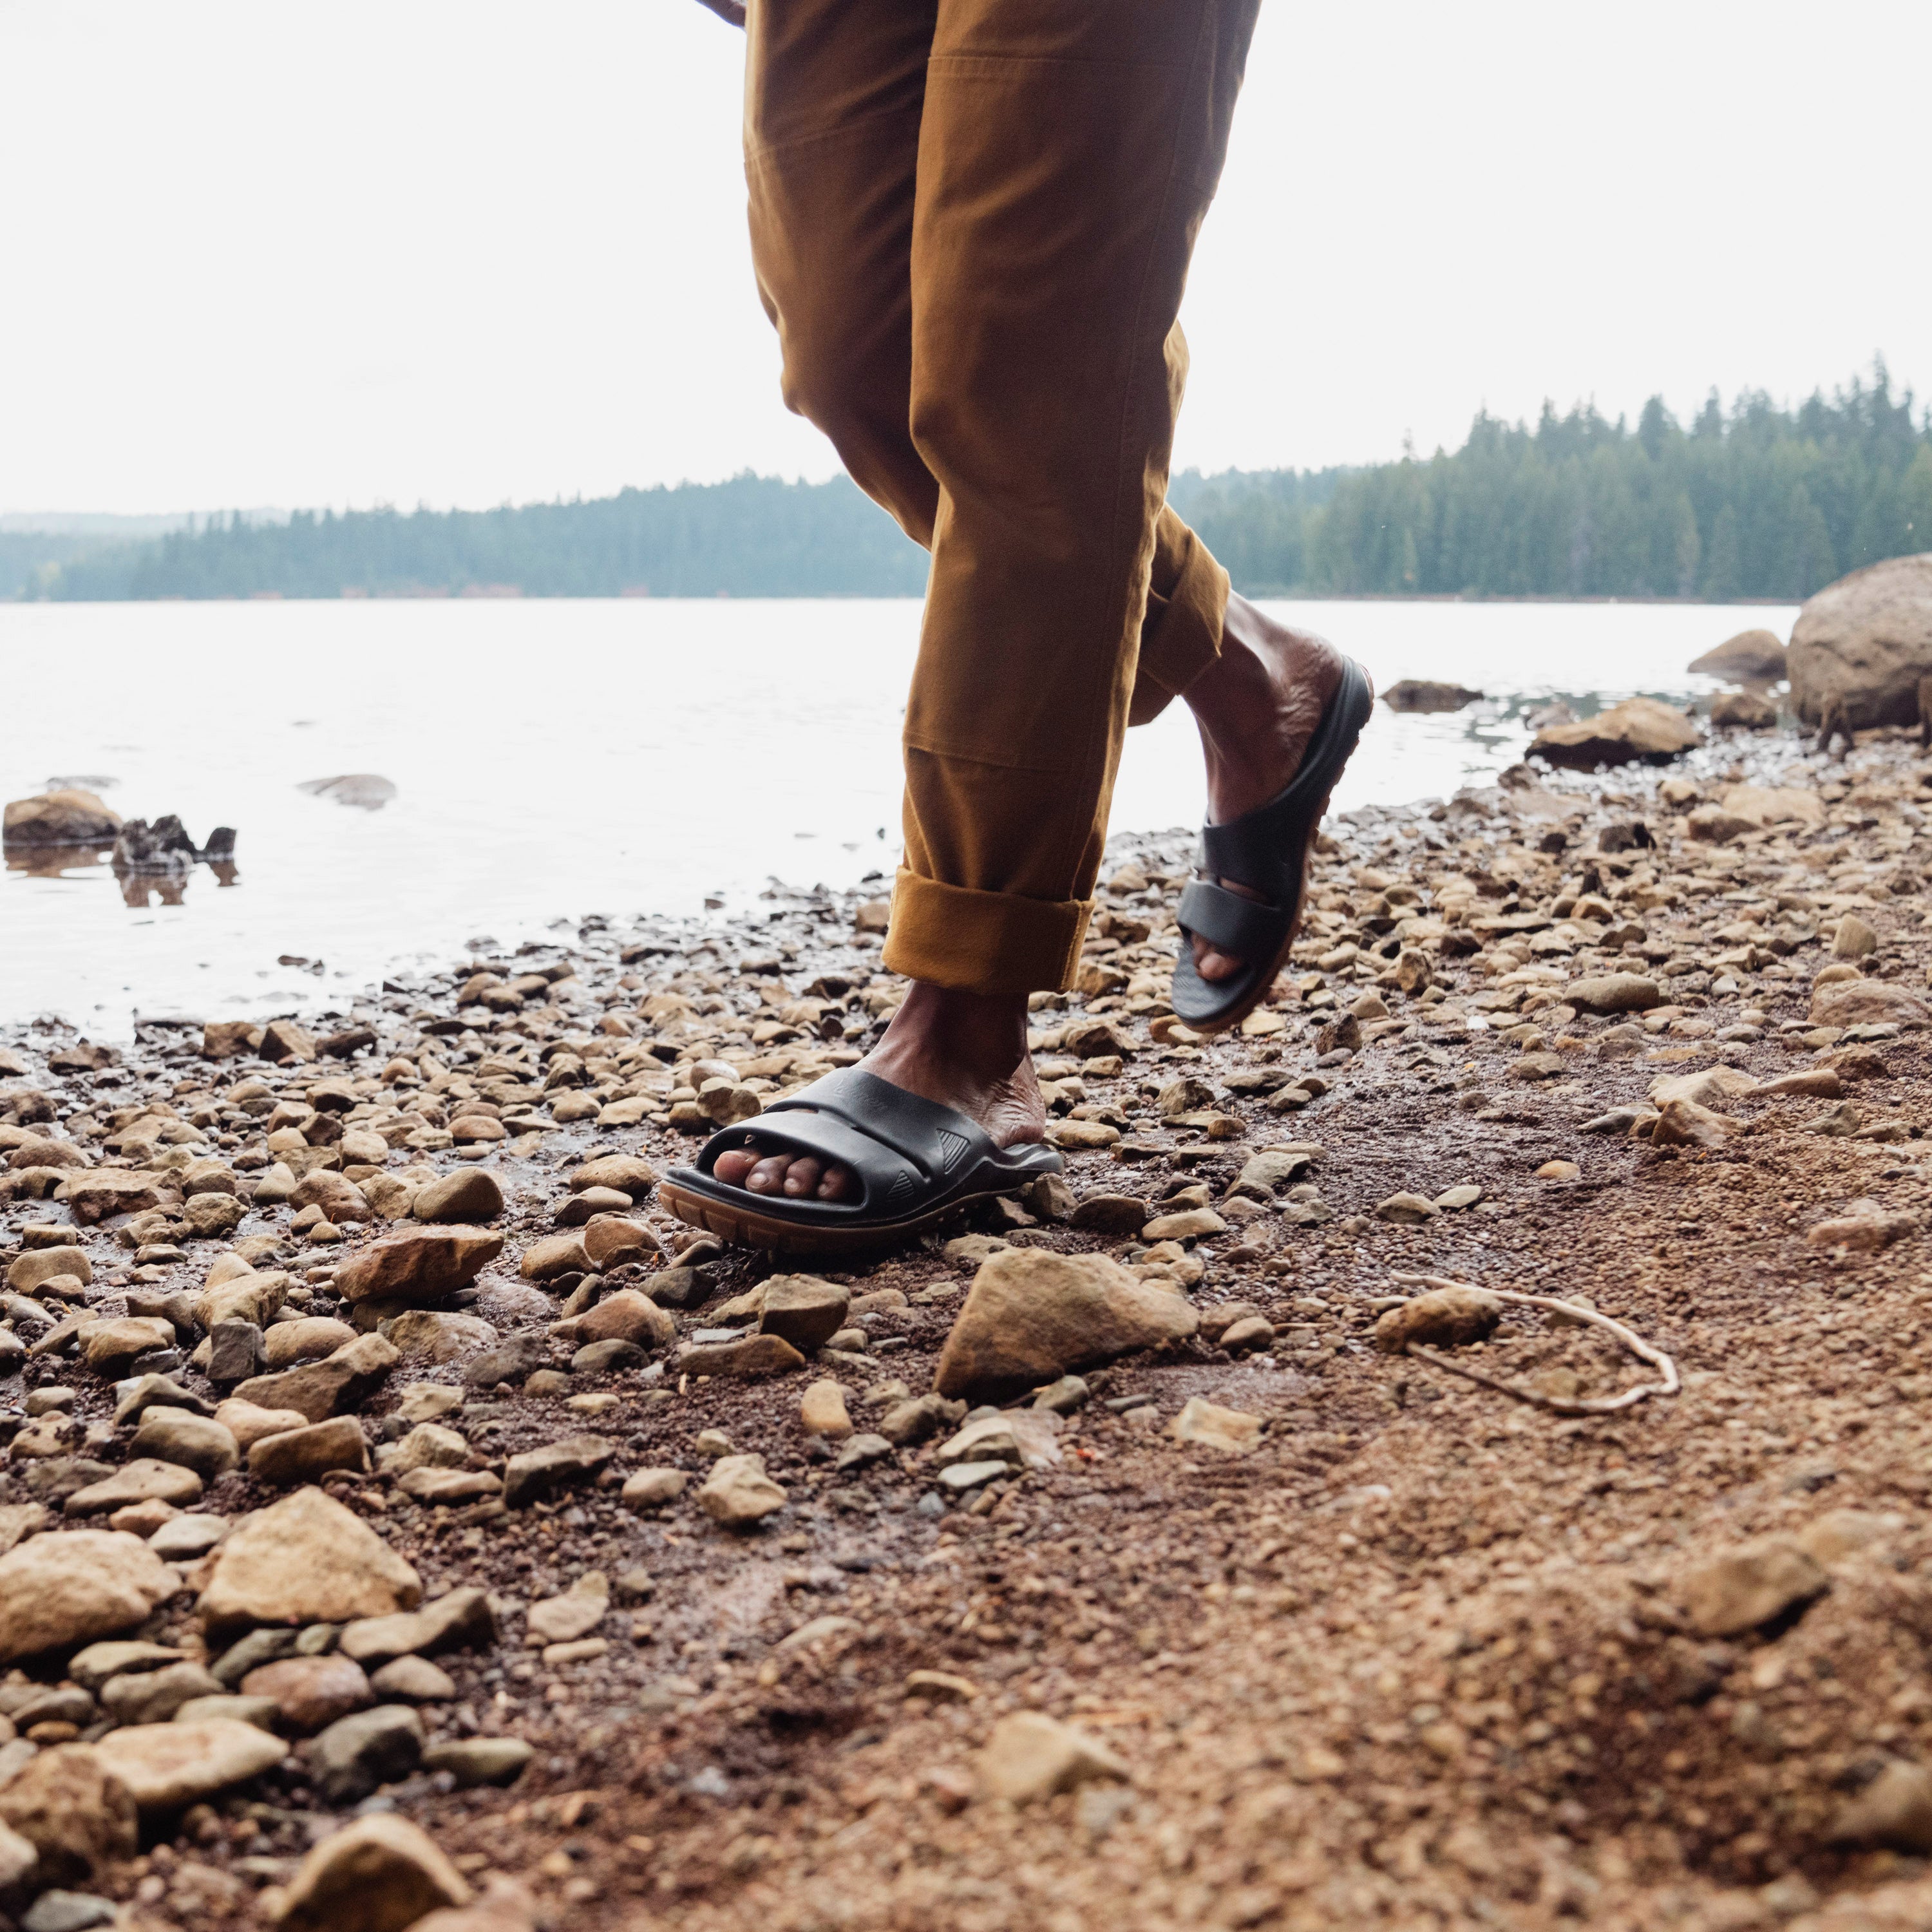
(1754, 502)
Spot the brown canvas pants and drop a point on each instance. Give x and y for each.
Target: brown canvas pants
(971, 221)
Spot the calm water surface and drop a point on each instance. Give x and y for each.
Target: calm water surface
(553, 759)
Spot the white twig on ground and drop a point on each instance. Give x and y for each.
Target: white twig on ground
(1667, 1383)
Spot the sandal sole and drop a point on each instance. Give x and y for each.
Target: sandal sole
(775, 1235)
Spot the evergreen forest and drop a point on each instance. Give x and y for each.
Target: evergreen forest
(1756, 500)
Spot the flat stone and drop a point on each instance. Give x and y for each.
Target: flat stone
(344, 1381)
(442, 1488)
(1025, 1439)
(1031, 1316)
(560, 1465)
(756, 1357)
(1030, 1756)
(133, 1398)
(197, 1442)
(355, 1754)
(264, 1713)
(183, 1539)
(1406, 1208)
(304, 1560)
(38, 1266)
(1192, 1224)
(576, 1613)
(142, 1480)
(167, 1767)
(514, 1361)
(151, 1696)
(418, 1265)
(251, 1297)
(109, 1345)
(478, 1761)
(99, 1662)
(1233, 1431)
(68, 1911)
(1613, 993)
(248, 1422)
(306, 1454)
(738, 1494)
(461, 1620)
(309, 1338)
(380, 1874)
(311, 1692)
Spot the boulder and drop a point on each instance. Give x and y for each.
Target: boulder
(1860, 647)
(1638, 730)
(420, 1265)
(67, 817)
(1031, 1316)
(380, 1874)
(1751, 657)
(1850, 1003)
(75, 1812)
(306, 1559)
(169, 1766)
(64, 1588)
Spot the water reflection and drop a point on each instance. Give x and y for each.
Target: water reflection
(140, 891)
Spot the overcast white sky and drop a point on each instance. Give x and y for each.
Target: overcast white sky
(264, 252)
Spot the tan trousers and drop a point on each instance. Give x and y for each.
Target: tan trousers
(971, 221)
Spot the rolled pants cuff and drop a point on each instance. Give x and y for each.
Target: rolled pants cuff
(1187, 602)
(983, 942)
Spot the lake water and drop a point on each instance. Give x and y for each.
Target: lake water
(556, 758)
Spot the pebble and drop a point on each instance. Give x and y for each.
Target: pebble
(474, 1761)
(822, 1411)
(1741, 1589)
(651, 1489)
(1029, 1756)
(576, 1613)
(311, 1692)
(413, 1680)
(1233, 1430)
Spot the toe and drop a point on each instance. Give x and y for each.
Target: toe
(802, 1176)
(768, 1177)
(731, 1168)
(1212, 965)
(836, 1186)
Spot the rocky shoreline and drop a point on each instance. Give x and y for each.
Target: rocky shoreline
(397, 1506)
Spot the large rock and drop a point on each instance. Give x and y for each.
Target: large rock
(1751, 657)
(1638, 730)
(37, 1265)
(304, 1560)
(380, 1874)
(167, 1766)
(1031, 1316)
(1850, 1003)
(69, 1587)
(804, 1310)
(306, 1455)
(197, 1442)
(469, 1194)
(144, 1481)
(1861, 644)
(628, 1315)
(420, 1265)
(251, 1297)
(73, 1810)
(69, 816)
(624, 1173)
(320, 1390)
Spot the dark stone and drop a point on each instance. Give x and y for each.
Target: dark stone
(356, 1753)
(235, 1351)
(514, 1361)
(603, 1358)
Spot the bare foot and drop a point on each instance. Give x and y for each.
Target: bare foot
(1257, 706)
(967, 1050)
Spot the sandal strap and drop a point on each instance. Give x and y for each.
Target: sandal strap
(937, 1139)
(1242, 927)
(883, 1174)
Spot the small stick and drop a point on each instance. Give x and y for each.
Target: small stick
(1667, 1383)
(726, 10)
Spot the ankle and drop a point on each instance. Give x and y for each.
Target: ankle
(981, 1033)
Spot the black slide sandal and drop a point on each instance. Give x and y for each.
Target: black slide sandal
(1267, 850)
(915, 1161)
